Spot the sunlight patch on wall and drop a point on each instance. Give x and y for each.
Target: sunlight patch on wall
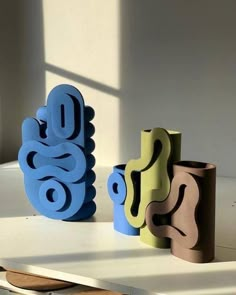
(82, 48)
(83, 37)
(106, 120)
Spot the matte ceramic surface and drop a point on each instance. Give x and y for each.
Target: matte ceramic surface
(182, 201)
(117, 191)
(159, 149)
(204, 214)
(56, 158)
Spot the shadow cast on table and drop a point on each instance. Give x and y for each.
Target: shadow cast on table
(183, 281)
(89, 256)
(224, 254)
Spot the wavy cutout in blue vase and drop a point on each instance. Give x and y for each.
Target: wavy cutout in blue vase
(117, 191)
(56, 156)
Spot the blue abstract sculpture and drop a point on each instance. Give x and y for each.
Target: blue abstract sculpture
(117, 190)
(56, 158)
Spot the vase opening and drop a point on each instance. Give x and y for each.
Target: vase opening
(195, 164)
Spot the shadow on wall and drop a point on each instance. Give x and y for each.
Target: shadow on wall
(177, 72)
(22, 73)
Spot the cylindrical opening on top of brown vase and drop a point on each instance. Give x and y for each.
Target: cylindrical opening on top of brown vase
(194, 165)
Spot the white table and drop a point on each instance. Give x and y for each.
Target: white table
(93, 254)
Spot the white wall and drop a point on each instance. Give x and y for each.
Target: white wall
(82, 47)
(179, 72)
(140, 64)
(22, 73)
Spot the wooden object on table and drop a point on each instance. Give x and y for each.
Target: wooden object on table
(33, 282)
(29, 281)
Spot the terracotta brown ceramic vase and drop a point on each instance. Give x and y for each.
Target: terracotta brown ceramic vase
(190, 206)
(204, 214)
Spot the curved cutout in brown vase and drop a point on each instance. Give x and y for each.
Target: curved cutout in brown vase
(204, 250)
(191, 207)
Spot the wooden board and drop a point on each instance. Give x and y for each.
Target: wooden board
(38, 283)
(75, 290)
(32, 282)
